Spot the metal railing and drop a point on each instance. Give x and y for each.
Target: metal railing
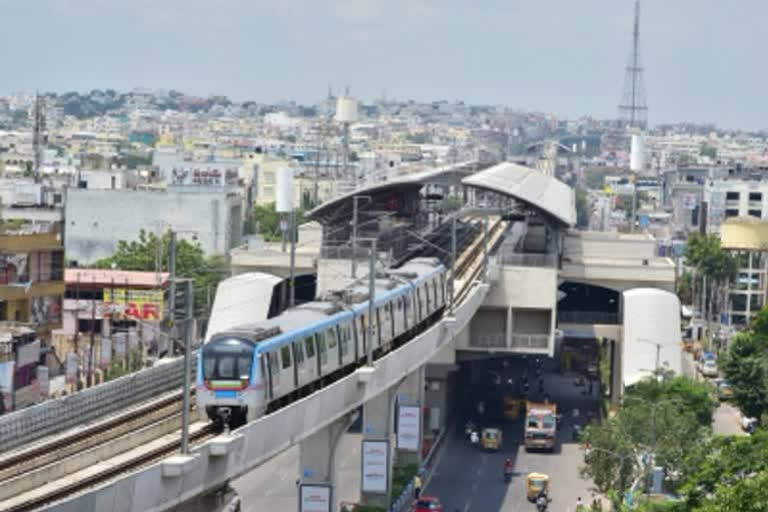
(530, 341)
(528, 260)
(588, 317)
(489, 340)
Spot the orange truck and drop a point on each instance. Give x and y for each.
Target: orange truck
(540, 425)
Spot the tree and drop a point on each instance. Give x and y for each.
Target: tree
(191, 262)
(744, 366)
(707, 150)
(582, 208)
(684, 289)
(667, 418)
(711, 262)
(730, 470)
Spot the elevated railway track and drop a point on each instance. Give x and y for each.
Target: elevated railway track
(60, 466)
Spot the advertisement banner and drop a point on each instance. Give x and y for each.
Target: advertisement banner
(142, 304)
(6, 385)
(42, 380)
(120, 344)
(408, 427)
(71, 372)
(106, 353)
(375, 476)
(315, 498)
(28, 354)
(689, 201)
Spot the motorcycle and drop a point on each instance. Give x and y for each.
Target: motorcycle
(542, 503)
(507, 476)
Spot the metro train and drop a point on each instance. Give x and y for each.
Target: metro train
(253, 369)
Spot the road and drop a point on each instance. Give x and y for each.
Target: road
(727, 418)
(469, 479)
(272, 486)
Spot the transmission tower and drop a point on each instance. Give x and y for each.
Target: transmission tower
(633, 110)
(38, 136)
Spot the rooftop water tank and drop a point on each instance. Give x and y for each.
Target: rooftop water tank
(284, 190)
(346, 110)
(637, 154)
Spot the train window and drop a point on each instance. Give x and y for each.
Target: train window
(434, 289)
(285, 356)
(344, 331)
(227, 367)
(273, 362)
(399, 303)
(442, 286)
(310, 347)
(298, 353)
(209, 365)
(331, 337)
(321, 349)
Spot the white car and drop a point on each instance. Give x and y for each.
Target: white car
(709, 368)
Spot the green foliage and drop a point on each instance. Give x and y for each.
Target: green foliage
(401, 477)
(668, 417)
(267, 221)
(726, 469)
(191, 262)
(707, 150)
(685, 289)
(705, 253)
(744, 366)
(582, 208)
(595, 177)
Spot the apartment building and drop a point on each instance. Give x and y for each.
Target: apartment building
(747, 239)
(31, 272)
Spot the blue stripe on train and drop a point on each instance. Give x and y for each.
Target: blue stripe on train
(226, 394)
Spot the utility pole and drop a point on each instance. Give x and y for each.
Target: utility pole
(453, 261)
(189, 333)
(77, 329)
(371, 300)
(485, 245)
(93, 333)
(172, 297)
(293, 258)
(354, 237)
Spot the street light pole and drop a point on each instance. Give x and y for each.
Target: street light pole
(453, 261)
(292, 300)
(371, 300)
(190, 332)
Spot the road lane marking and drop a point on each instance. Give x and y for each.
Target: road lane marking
(466, 506)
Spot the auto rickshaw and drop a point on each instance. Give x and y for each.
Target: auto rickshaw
(491, 439)
(535, 483)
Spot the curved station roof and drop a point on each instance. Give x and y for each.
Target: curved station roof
(530, 186)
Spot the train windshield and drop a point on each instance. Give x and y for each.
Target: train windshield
(227, 359)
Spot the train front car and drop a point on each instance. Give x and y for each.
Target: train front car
(229, 384)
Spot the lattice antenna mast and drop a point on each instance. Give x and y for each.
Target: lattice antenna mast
(38, 136)
(633, 110)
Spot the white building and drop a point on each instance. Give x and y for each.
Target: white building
(97, 219)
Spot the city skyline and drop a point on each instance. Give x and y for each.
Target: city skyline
(544, 56)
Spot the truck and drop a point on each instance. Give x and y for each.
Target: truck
(540, 425)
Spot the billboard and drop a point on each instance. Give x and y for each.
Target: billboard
(408, 427)
(106, 353)
(6, 385)
(375, 476)
(141, 304)
(315, 498)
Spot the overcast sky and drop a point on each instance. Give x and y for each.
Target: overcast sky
(705, 59)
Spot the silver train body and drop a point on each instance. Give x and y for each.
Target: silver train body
(249, 370)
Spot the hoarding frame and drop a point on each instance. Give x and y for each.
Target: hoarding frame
(403, 435)
(303, 487)
(384, 444)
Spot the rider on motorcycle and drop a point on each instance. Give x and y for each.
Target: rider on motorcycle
(508, 466)
(542, 501)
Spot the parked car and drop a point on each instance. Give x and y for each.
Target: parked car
(427, 504)
(748, 424)
(724, 390)
(709, 368)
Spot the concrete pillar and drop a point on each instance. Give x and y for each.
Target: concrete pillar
(616, 371)
(378, 417)
(317, 455)
(510, 326)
